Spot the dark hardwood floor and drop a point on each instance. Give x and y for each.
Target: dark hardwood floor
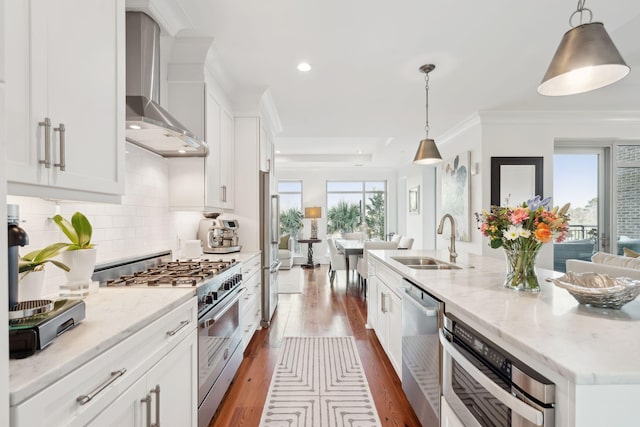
(320, 310)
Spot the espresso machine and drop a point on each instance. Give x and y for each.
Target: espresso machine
(218, 235)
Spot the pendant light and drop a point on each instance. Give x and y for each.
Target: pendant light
(586, 59)
(427, 153)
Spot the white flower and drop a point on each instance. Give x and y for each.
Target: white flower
(525, 233)
(512, 233)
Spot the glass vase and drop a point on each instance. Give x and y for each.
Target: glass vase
(521, 269)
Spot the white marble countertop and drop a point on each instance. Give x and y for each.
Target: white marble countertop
(112, 314)
(583, 344)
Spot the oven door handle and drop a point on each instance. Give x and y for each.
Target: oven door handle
(531, 414)
(206, 323)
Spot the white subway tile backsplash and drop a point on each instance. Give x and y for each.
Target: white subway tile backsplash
(142, 224)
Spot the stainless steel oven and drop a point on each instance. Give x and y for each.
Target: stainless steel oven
(486, 386)
(219, 353)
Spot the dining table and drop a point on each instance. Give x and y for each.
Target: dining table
(349, 247)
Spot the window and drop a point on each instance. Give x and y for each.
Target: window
(357, 205)
(291, 210)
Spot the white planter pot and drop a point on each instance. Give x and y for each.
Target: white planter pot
(31, 286)
(81, 264)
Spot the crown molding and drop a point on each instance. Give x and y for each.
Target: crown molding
(167, 13)
(564, 117)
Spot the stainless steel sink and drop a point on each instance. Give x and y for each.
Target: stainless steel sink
(425, 263)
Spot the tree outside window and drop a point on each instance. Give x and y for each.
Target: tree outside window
(356, 206)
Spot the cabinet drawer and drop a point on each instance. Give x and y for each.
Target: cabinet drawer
(392, 279)
(85, 392)
(251, 266)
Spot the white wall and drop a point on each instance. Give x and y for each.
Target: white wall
(521, 134)
(314, 188)
(421, 225)
(4, 297)
(141, 225)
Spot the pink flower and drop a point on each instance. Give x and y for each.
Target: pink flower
(518, 215)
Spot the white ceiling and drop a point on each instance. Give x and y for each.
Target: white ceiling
(363, 101)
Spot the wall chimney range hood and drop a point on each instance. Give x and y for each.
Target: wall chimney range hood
(148, 125)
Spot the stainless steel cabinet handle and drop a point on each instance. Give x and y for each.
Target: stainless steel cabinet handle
(147, 400)
(62, 130)
(86, 398)
(224, 193)
(47, 142)
(383, 306)
(156, 391)
(177, 329)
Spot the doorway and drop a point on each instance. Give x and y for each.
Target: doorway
(602, 183)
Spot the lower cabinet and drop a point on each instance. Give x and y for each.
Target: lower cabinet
(388, 319)
(154, 370)
(448, 418)
(250, 305)
(166, 395)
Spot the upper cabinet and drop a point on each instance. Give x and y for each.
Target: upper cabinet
(65, 98)
(202, 183)
(198, 101)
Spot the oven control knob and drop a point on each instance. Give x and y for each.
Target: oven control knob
(227, 285)
(207, 299)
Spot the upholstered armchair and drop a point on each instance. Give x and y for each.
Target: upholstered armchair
(285, 252)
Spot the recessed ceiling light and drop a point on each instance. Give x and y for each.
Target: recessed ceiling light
(304, 67)
(182, 151)
(136, 127)
(277, 151)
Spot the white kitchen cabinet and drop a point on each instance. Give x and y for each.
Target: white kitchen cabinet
(65, 98)
(389, 315)
(372, 296)
(164, 396)
(250, 304)
(202, 183)
(111, 385)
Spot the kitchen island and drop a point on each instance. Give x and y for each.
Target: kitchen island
(591, 354)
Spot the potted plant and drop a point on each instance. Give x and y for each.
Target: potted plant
(80, 255)
(31, 270)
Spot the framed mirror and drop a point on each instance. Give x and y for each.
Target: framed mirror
(515, 179)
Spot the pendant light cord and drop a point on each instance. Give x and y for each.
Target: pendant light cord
(426, 105)
(580, 9)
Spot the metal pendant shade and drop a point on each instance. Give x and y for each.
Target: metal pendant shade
(427, 153)
(586, 60)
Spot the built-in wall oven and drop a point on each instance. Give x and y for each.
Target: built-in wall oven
(486, 386)
(421, 352)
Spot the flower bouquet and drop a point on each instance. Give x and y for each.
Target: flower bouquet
(521, 231)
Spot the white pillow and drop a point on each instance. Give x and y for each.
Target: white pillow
(619, 261)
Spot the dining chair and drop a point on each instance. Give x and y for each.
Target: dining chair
(396, 238)
(353, 236)
(405, 242)
(337, 260)
(362, 267)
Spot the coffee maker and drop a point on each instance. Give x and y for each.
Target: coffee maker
(218, 236)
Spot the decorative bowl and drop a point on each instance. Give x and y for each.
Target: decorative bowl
(599, 290)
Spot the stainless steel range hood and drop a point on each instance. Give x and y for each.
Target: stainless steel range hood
(148, 125)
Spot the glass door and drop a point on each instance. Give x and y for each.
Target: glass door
(602, 183)
(580, 177)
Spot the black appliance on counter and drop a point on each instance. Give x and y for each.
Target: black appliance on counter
(33, 324)
(218, 285)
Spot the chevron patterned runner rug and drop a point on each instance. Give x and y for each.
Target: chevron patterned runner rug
(319, 382)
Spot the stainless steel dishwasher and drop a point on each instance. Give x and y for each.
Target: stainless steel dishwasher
(421, 352)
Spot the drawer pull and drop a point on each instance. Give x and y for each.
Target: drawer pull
(156, 391)
(86, 398)
(176, 330)
(147, 400)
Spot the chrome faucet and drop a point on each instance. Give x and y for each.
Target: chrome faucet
(452, 249)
